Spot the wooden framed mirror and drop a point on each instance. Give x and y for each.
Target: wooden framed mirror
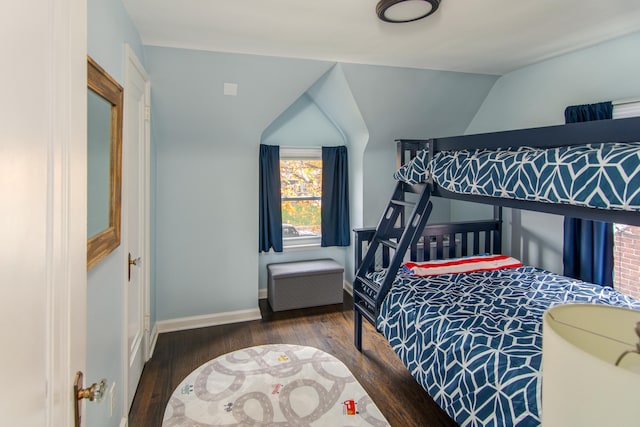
(104, 163)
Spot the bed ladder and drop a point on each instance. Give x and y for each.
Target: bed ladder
(368, 294)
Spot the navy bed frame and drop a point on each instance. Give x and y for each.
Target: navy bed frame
(619, 130)
(440, 241)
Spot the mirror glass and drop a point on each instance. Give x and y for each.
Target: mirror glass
(104, 163)
(98, 162)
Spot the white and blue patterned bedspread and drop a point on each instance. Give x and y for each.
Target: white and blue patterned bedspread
(474, 341)
(604, 176)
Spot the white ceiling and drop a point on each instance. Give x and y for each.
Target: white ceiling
(480, 36)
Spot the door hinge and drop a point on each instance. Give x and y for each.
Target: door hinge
(147, 113)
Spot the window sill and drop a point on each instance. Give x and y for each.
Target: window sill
(301, 247)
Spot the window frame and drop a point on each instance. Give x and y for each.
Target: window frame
(300, 153)
(623, 109)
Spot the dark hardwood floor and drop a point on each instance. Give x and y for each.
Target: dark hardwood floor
(398, 396)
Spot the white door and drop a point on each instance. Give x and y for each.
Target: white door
(43, 210)
(136, 163)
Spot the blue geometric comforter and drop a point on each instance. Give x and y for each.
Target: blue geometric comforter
(474, 341)
(605, 176)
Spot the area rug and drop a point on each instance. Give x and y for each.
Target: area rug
(272, 385)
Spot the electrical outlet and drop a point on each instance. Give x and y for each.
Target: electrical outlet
(112, 398)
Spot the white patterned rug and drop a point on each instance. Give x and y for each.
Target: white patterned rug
(272, 385)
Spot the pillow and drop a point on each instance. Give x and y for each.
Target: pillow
(416, 171)
(486, 262)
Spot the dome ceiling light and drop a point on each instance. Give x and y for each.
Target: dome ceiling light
(398, 11)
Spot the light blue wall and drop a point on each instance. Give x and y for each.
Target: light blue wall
(207, 182)
(303, 124)
(207, 171)
(109, 28)
(403, 103)
(537, 96)
(324, 115)
(334, 97)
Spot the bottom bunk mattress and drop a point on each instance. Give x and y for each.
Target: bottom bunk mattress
(474, 340)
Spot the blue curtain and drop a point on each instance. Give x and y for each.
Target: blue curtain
(335, 197)
(588, 245)
(270, 228)
(588, 112)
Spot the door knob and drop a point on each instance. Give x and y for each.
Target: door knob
(95, 392)
(133, 261)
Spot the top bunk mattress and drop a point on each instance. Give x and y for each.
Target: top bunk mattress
(603, 176)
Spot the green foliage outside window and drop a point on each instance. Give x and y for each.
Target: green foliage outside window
(301, 188)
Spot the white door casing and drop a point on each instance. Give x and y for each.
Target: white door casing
(67, 257)
(136, 164)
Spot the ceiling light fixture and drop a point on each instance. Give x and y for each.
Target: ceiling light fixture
(398, 11)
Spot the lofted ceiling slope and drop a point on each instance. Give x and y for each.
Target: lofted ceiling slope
(478, 36)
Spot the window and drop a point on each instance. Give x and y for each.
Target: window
(301, 190)
(315, 185)
(626, 238)
(626, 259)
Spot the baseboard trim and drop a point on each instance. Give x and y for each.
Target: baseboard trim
(195, 322)
(154, 340)
(263, 293)
(124, 422)
(347, 287)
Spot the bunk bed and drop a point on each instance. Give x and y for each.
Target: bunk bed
(472, 337)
